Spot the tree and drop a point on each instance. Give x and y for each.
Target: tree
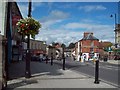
(53, 43)
(63, 45)
(71, 45)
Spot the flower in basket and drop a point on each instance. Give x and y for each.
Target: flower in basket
(28, 26)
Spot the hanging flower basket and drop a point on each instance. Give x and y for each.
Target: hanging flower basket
(28, 26)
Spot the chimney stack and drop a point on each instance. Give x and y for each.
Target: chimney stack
(87, 33)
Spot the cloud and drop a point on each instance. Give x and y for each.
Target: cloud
(75, 25)
(66, 35)
(53, 17)
(59, 35)
(72, 31)
(23, 6)
(103, 32)
(89, 8)
(87, 20)
(66, 6)
(87, 26)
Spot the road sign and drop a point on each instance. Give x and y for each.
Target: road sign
(91, 54)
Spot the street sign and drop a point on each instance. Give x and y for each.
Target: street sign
(91, 54)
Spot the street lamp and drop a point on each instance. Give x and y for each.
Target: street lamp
(115, 19)
(28, 54)
(115, 23)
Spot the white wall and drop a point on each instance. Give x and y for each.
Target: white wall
(78, 51)
(24, 45)
(1, 55)
(83, 57)
(2, 32)
(2, 16)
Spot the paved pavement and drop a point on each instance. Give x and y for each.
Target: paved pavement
(0, 84)
(47, 76)
(117, 62)
(114, 62)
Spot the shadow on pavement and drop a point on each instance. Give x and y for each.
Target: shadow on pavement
(20, 84)
(17, 69)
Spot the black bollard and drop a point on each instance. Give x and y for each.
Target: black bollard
(27, 71)
(64, 63)
(46, 60)
(51, 59)
(97, 72)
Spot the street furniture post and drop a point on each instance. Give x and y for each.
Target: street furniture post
(63, 63)
(51, 59)
(97, 72)
(28, 54)
(27, 71)
(63, 60)
(46, 59)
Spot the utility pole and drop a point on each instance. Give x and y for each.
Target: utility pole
(28, 54)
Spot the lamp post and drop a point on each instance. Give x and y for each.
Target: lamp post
(115, 19)
(115, 23)
(28, 54)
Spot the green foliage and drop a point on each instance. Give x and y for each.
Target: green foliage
(63, 45)
(71, 45)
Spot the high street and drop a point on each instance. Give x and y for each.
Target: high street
(50, 76)
(107, 72)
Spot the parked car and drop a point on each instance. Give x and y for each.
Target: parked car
(41, 57)
(44, 58)
(35, 58)
(117, 57)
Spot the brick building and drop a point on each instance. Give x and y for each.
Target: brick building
(56, 49)
(87, 48)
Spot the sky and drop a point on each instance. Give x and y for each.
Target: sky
(65, 22)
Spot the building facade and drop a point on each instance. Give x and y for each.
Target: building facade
(51, 52)
(38, 47)
(59, 51)
(2, 46)
(16, 38)
(87, 48)
(117, 35)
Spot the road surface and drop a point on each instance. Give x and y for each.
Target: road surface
(107, 72)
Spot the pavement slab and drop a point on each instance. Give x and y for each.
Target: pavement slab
(47, 76)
